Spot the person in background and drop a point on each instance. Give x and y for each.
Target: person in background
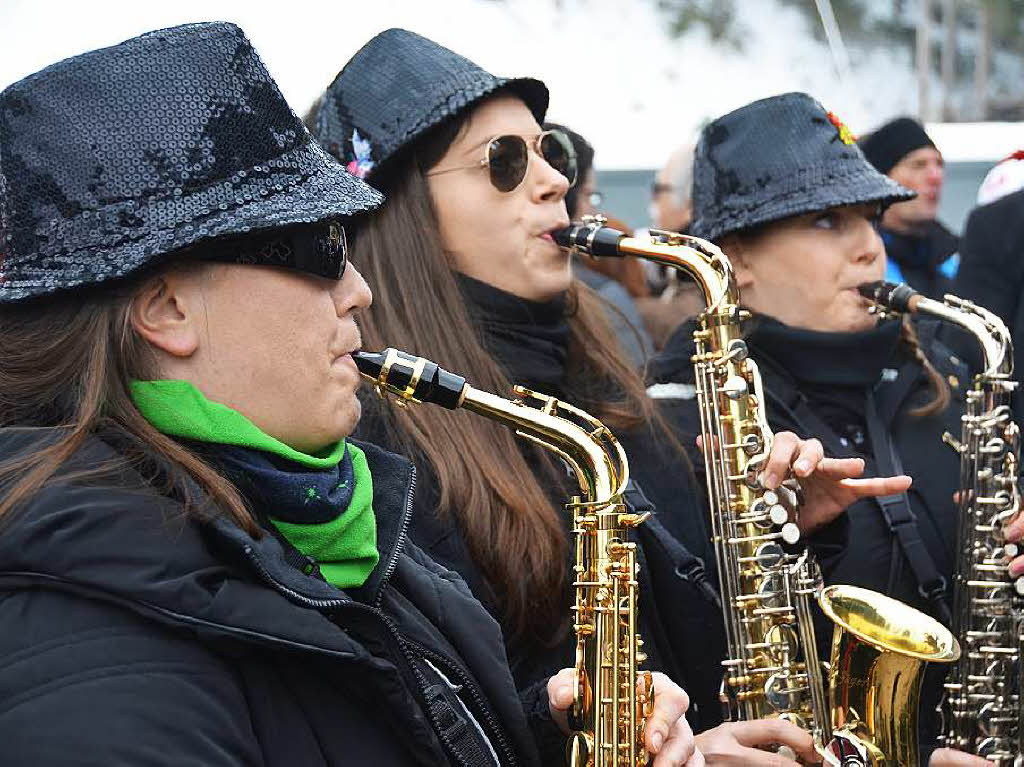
(920, 251)
(992, 256)
(672, 192)
(675, 299)
(604, 276)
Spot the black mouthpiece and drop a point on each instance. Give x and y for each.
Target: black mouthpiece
(891, 295)
(433, 384)
(590, 238)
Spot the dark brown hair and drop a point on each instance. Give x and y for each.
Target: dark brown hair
(67, 362)
(513, 531)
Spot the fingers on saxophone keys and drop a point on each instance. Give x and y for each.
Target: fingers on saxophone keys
(1015, 530)
(791, 455)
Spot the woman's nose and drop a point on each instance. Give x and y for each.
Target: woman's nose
(869, 245)
(548, 184)
(351, 292)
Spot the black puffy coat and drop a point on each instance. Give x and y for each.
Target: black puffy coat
(133, 635)
(868, 554)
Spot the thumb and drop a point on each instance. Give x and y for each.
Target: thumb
(560, 692)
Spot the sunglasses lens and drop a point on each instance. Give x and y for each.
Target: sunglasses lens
(557, 151)
(507, 159)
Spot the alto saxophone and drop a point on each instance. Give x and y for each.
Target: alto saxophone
(981, 707)
(772, 669)
(612, 698)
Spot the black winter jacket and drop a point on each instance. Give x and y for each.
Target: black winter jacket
(868, 554)
(133, 635)
(992, 270)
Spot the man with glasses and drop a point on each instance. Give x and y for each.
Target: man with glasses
(671, 192)
(670, 210)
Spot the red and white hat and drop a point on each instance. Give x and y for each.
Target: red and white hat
(1006, 177)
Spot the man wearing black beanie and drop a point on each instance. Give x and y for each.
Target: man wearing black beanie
(920, 250)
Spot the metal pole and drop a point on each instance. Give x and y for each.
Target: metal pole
(924, 57)
(840, 56)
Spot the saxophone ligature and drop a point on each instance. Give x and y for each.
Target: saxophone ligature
(769, 583)
(613, 698)
(981, 707)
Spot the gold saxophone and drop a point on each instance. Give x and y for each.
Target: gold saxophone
(981, 708)
(879, 645)
(612, 698)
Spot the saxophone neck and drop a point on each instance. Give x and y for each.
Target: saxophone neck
(703, 261)
(990, 332)
(583, 442)
(588, 447)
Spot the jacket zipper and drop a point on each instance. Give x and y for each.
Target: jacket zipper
(482, 708)
(403, 532)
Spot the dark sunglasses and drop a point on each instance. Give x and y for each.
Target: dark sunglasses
(508, 157)
(319, 249)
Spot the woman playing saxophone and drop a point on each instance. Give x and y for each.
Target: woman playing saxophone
(465, 267)
(781, 186)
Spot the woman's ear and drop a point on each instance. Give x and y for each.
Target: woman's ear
(733, 246)
(167, 311)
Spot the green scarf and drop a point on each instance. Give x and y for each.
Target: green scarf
(345, 544)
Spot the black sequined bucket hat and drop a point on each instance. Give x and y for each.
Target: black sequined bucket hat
(398, 86)
(779, 157)
(112, 160)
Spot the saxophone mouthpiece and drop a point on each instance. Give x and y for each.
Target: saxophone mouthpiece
(590, 236)
(895, 296)
(409, 377)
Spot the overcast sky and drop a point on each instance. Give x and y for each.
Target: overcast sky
(614, 74)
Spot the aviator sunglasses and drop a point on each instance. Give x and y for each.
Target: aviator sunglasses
(508, 157)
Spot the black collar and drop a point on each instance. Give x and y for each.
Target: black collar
(530, 339)
(829, 359)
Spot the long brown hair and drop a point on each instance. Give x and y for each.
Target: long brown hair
(512, 530)
(67, 362)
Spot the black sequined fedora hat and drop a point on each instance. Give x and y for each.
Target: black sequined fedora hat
(398, 86)
(779, 157)
(112, 160)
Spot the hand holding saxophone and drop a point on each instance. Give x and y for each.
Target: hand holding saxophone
(743, 743)
(947, 757)
(667, 734)
(827, 485)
